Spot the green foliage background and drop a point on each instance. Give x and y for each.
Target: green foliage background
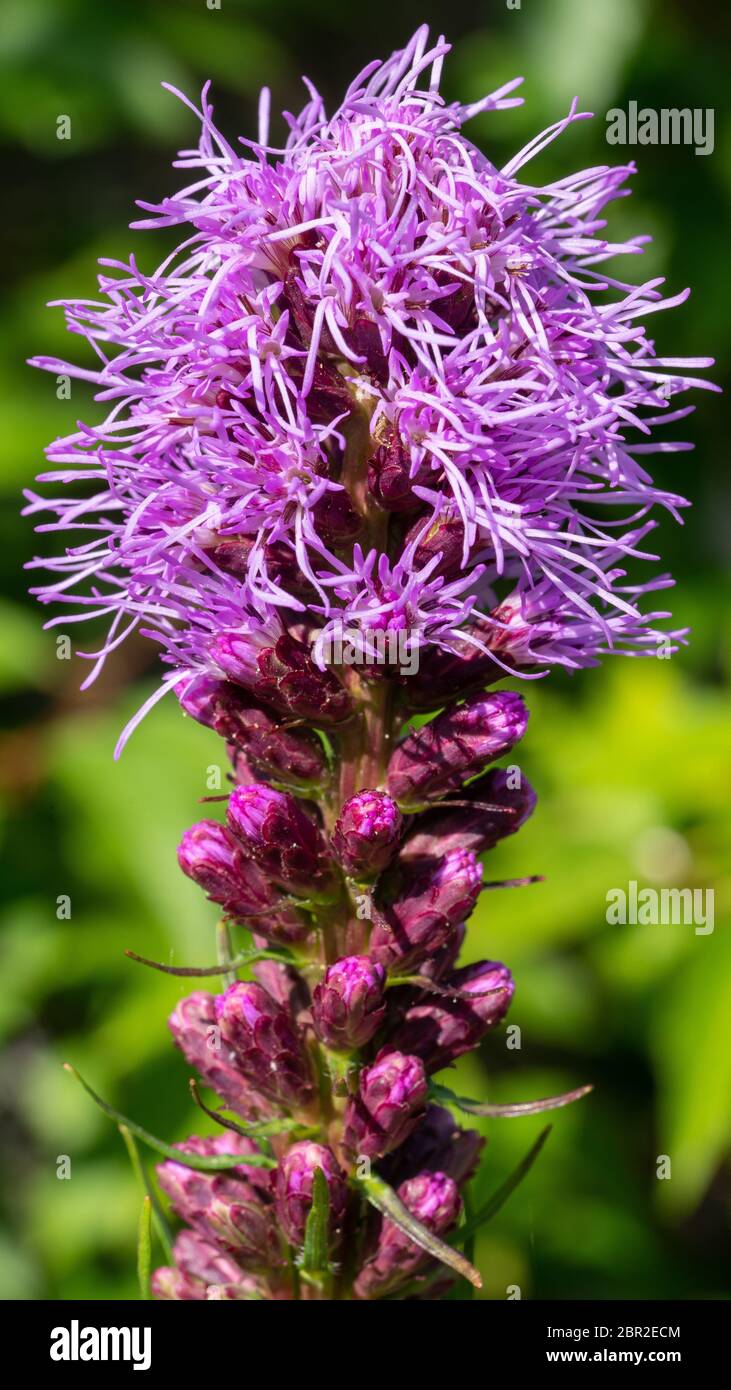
(631, 762)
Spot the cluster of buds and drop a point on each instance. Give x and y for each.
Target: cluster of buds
(330, 1048)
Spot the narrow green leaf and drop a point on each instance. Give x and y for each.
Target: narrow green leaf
(315, 1254)
(257, 1129)
(224, 967)
(161, 1225)
(205, 1163)
(144, 1248)
(528, 1107)
(498, 1199)
(385, 1200)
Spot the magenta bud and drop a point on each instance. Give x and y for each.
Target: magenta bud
(348, 1006)
(428, 914)
(231, 1208)
(367, 834)
(291, 756)
(213, 857)
(389, 478)
(281, 838)
(279, 670)
(201, 1259)
(194, 1026)
(264, 1044)
(434, 1200)
(445, 753)
(441, 1028)
(389, 1104)
(294, 1190)
(501, 807)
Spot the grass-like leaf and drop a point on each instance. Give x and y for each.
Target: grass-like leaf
(158, 1216)
(206, 1163)
(144, 1248)
(499, 1198)
(315, 1253)
(385, 1200)
(223, 967)
(528, 1107)
(257, 1129)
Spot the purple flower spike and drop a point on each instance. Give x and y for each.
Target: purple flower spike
(367, 834)
(264, 1044)
(215, 860)
(428, 914)
(389, 1104)
(348, 1006)
(294, 1185)
(440, 1029)
(279, 670)
(444, 754)
(434, 1200)
(295, 757)
(276, 832)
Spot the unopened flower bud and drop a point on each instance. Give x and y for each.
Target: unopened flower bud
(293, 756)
(264, 1044)
(201, 1259)
(426, 916)
(215, 859)
(279, 670)
(472, 827)
(367, 834)
(437, 1145)
(445, 753)
(231, 1208)
(389, 1104)
(335, 518)
(441, 1028)
(443, 537)
(435, 1202)
(294, 1190)
(348, 1006)
(194, 1027)
(171, 1285)
(389, 478)
(281, 838)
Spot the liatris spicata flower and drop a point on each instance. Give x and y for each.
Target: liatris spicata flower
(363, 423)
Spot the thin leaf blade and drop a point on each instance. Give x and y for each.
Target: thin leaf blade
(499, 1198)
(528, 1107)
(144, 1248)
(385, 1200)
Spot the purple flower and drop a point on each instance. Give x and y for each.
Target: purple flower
(434, 1200)
(389, 1103)
(512, 393)
(366, 834)
(295, 757)
(294, 1190)
(445, 753)
(264, 1044)
(281, 838)
(348, 1005)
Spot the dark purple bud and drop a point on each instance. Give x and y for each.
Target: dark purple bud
(194, 1026)
(213, 857)
(389, 1104)
(473, 827)
(367, 834)
(281, 838)
(365, 339)
(437, 1145)
(294, 1187)
(441, 1028)
(445, 753)
(171, 1285)
(288, 755)
(434, 1200)
(264, 1044)
(335, 518)
(443, 537)
(232, 1208)
(445, 676)
(426, 917)
(280, 671)
(348, 1006)
(389, 478)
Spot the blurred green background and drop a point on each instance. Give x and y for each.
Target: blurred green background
(631, 763)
